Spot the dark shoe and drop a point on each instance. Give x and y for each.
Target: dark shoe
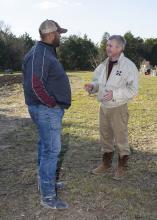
(60, 185)
(106, 164)
(54, 203)
(122, 164)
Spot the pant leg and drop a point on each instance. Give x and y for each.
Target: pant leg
(49, 125)
(105, 129)
(40, 148)
(120, 129)
(33, 111)
(48, 122)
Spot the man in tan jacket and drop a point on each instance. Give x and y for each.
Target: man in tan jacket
(116, 82)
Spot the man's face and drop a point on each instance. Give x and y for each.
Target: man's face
(55, 38)
(113, 49)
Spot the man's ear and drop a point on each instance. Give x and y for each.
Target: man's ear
(52, 36)
(120, 49)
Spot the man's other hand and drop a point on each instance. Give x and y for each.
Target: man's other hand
(108, 95)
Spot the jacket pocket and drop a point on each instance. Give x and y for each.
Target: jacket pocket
(101, 91)
(117, 81)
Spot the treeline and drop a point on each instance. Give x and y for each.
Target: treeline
(137, 48)
(12, 48)
(75, 52)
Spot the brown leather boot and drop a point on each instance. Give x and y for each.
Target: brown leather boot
(105, 165)
(122, 164)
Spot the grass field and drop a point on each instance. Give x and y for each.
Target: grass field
(90, 197)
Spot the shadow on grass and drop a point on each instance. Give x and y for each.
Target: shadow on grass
(79, 155)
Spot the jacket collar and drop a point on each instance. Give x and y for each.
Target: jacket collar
(48, 46)
(119, 59)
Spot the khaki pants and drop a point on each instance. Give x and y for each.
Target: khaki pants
(113, 126)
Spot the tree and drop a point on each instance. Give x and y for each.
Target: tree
(153, 57)
(12, 48)
(77, 53)
(150, 50)
(134, 48)
(102, 48)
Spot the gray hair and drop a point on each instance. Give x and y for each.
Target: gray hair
(121, 40)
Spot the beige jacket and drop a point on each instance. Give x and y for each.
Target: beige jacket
(123, 81)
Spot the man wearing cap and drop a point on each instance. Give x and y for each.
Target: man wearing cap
(47, 93)
(116, 81)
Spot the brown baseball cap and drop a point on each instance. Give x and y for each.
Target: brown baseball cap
(49, 26)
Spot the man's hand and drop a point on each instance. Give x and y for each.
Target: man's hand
(88, 87)
(108, 95)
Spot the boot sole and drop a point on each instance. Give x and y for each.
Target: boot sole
(118, 178)
(104, 172)
(50, 207)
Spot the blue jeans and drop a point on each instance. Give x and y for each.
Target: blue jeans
(49, 123)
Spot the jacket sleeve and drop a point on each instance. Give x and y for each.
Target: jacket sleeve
(40, 70)
(96, 75)
(131, 88)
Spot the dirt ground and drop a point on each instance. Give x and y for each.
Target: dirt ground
(90, 197)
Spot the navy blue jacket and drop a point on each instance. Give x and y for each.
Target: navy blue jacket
(45, 81)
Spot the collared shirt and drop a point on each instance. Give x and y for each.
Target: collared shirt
(110, 66)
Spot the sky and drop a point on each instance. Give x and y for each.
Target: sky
(91, 17)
